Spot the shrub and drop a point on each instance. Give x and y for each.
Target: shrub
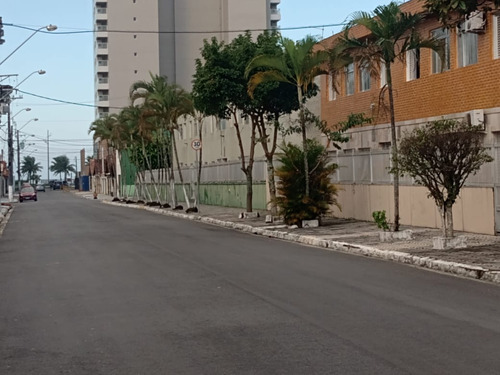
(380, 220)
(292, 202)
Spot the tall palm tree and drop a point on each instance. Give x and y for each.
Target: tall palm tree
(61, 165)
(165, 103)
(300, 63)
(392, 33)
(30, 167)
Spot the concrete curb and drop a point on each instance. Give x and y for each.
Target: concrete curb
(459, 269)
(5, 212)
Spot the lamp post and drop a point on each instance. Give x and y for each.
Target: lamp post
(40, 72)
(48, 28)
(5, 97)
(19, 155)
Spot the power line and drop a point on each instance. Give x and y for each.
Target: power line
(183, 31)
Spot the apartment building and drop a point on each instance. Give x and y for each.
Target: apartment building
(463, 86)
(136, 37)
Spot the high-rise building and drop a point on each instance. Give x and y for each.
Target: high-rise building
(134, 38)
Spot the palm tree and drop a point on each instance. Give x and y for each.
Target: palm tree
(30, 167)
(61, 165)
(392, 33)
(164, 103)
(299, 65)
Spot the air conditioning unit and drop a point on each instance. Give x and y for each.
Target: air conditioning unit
(477, 118)
(474, 22)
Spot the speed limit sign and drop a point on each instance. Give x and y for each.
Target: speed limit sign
(196, 144)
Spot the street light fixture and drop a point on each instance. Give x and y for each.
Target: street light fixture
(12, 117)
(48, 28)
(33, 119)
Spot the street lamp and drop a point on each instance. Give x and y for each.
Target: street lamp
(12, 117)
(48, 28)
(33, 119)
(40, 72)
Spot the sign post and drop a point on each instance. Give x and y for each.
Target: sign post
(196, 146)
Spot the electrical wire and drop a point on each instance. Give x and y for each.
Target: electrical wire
(291, 28)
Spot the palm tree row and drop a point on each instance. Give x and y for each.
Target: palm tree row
(145, 132)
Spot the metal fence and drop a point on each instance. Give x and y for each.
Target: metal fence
(373, 167)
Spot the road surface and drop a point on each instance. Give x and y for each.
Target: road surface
(88, 288)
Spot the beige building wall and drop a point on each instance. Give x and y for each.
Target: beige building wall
(132, 55)
(473, 211)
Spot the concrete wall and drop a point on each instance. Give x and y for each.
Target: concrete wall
(473, 211)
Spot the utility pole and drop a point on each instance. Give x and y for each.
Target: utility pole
(48, 159)
(18, 163)
(11, 153)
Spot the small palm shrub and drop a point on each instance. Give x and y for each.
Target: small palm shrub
(292, 202)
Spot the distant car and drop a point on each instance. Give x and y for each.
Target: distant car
(27, 193)
(40, 188)
(57, 185)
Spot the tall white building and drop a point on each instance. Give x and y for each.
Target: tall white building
(134, 38)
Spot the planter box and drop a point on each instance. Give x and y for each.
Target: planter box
(403, 235)
(444, 243)
(249, 215)
(310, 223)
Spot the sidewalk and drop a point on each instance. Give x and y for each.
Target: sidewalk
(480, 260)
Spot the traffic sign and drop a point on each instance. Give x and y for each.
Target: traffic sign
(196, 144)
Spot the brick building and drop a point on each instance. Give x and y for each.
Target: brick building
(463, 85)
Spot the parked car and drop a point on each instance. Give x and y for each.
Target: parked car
(40, 187)
(57, 185)
(27, 193)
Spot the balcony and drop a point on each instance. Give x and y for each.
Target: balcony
(101, 29)
(274, 1)
(275, 15)
(101, 13)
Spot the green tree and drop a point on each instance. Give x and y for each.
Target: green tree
(62, 166)
(449, 12)
(440, 156)
(162, 104)
(293, 204)
(392, 33)
(221, 89)
(30, 167)
(300, 63)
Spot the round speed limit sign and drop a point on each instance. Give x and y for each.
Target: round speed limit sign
(196, 144)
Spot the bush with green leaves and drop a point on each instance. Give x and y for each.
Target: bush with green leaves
(293, 203)
(380, 219)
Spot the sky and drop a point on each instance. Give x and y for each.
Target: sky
(69, 65)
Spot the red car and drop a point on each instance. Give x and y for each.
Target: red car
(27, 193)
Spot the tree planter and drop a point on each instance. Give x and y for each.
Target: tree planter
(404, 235)
(249, 215)
(310, 223)
(444, 243)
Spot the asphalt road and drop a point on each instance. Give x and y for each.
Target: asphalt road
(88, 288)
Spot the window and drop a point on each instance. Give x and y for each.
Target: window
(349, 79)
(443, 37)
(364, 77)
(413, 64)
(496, 36)
(383, 74)
(332, 94)
(467, 47)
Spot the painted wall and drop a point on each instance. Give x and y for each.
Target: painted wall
(473, 211)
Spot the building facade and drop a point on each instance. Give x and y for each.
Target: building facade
(463, 86)
(134, 38)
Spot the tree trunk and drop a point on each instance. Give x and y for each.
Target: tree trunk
(395, 164)
(272, 185)
(249, 179)
(186, 197)
(302, 121)
(447, 221)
